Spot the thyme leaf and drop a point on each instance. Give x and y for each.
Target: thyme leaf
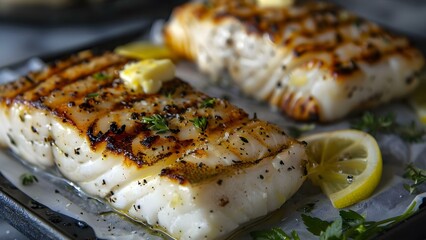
(416, 175)
(208, 103)
(157, 123)
(200, 123)
(387, 124)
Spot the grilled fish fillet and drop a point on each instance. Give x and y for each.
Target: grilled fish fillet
(313, 61)
(193, 184)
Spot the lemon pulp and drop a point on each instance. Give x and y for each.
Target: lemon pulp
(346, 164)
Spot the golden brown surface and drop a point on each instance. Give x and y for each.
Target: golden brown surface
(86, 93)
(313, 35)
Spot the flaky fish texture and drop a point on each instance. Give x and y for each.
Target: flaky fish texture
(313, 61)
(202, 170)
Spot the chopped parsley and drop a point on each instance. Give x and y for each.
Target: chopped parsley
(348, 225)
(28, 179)
(157, 123)
(200, 123)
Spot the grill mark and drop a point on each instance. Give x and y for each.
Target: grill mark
(277, 36)
(80, 91)
(12, 90)
(62, 79)
(252, 13)
(255, 19)
(190, 173)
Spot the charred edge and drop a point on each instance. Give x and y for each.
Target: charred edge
(300, 50)
(346, 68)
(163, 156)
(95, 139)
(149, 141)
(138, 158)
(167, 172)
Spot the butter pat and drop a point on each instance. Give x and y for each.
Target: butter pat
(148, 75)
(274, 3)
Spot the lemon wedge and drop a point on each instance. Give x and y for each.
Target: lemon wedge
(145, 50)
(346, 164)
(418, 101)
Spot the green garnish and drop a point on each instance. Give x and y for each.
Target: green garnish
(208, 103)
(200, 123)
(349, 225)
(157, 123)
(169, 92)
(415, 174)
(297, 131)
(100, 76)
(387, 124)
(307, 208)
(28, 179)
(92, 95)
(274, 234)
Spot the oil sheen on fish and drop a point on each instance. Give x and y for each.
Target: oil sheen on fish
(313, 61)
(209, 169)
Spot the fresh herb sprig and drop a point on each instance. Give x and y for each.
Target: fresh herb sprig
(415, 174)
(387, 124)
(274, 234)
(157, 123)
(208, 103)
(307, 208)
(297, 131)
(100, 76)
(28, 179)
(91, 95)
(200, 123)
(349, 225)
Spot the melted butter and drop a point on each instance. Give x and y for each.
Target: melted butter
(148, 75)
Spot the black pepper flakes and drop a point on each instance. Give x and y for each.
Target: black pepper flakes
(244, 139)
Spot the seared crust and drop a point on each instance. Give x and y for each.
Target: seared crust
(109, 116)
(314, 35)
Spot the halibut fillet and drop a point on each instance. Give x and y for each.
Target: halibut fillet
(314, 61)
(194, 181)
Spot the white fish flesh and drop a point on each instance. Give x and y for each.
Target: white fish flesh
(314, 61)
(193, 180)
